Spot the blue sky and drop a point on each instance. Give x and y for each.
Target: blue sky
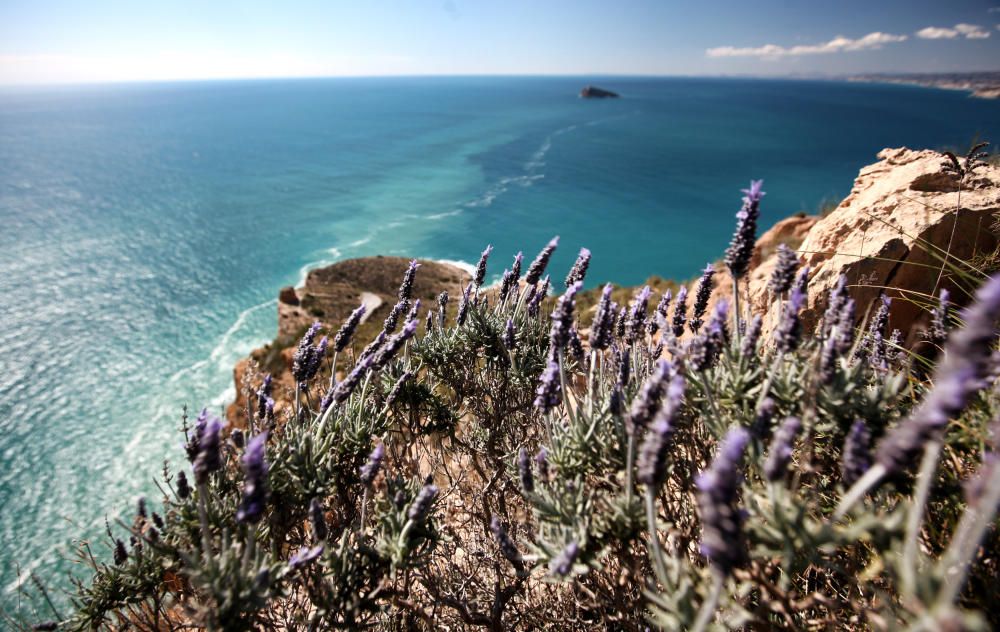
(46, 41)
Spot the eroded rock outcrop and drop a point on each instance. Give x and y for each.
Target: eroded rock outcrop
(890, 234)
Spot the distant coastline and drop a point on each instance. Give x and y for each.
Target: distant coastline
(982, 85)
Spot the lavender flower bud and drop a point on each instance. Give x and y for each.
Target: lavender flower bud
(938, 330)
(721, 519)
(343, 337)
(406, 287)
(856, 457)
(524, 471)
(701, 296)
(305, 361)
(659, 313)
(515, 267)
(183, 488)
(397, 388)
(761, 428)
(748, 346)
(209, 458)
(251, 508)
(538, 266)
(835, 304)
(549, 392)
(536, 297)
(343, 389)
(828, 357)
(157, 520)
(480, 274)
(601, 330)
(542, 461)
(802, 281)
(121, 553)
(620, 323)
(442, 309)
(236, 436)
(741, 247)
(967, 362)
(680, 312)
(369, 470)
(263, 394)
(647, 401)
(579, 269)
(317, 520)
(562, 319)
(463, 305)
(780, 453)
(507, 283)
(141, 508)
(305, 556)
(788, 333)
(575, 345)
(394, 344)
(509, 337)
(636, 324)
(784, 271)
(421, 506)
(652, 462)
(507, 547)
(562, 564)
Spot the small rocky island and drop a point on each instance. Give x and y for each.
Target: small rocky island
(593, 92)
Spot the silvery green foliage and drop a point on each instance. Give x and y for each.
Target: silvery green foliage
(469, 475)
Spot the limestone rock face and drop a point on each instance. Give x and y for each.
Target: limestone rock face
(890, 234)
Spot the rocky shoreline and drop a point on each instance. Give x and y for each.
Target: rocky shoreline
(982, 85)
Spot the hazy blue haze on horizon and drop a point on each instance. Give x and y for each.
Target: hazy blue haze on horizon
(149, 227)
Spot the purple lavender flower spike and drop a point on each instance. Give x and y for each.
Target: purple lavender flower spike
(741, 247)
(509, 337)
(538, 266)
(343, 337)
(652, 462)
(480, 274)
(784, 271)
(406, 287)
(183, 487)
(701, 296)
(575, 345)
(856, 457)
(967, 362)
(209, 459)
(304, 360)
(515, 267)
(788, 333)
(562, 564)
(463, 305)
(780, 453)
(579, 269)
(398, 387)
(251, 508)
(507, 547)
(647, 401)
(620, 322)
(829, 354)
(602, 329)
(748, 346)
(680, 312)
(507, 283)
(835, 304)
(802, 281)
(369, 470)
(421, 506)
(339, 393)
(549, 392)
(121, 553)
(562, 318)
(524, 471)
(542, 461)
(938, 330)
(761, 428)
(305, 556)
(392, 320)
(636, 325)
(318, 520)
(977, 486)
(442, 302)
(536, 296)
(718, 493)
(394, 344)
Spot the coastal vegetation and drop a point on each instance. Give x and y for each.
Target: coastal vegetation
(506, 459)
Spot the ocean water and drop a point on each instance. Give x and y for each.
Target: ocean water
(145, 229)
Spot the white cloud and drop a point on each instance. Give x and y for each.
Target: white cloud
(836, 45)
(968, 31)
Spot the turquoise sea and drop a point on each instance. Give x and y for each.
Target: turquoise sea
(145, 229)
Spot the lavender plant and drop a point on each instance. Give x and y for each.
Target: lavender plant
(526, 464)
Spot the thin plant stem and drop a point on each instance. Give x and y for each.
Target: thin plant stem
(911, 545)
(654, 541)
(707, 610)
